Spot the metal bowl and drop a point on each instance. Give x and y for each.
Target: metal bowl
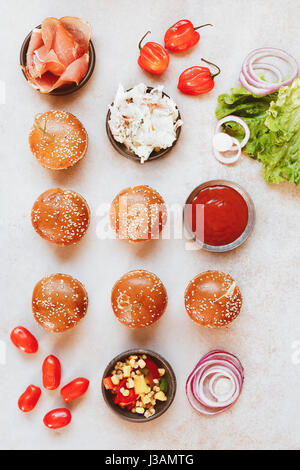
(122, 149)
(69, 88)
(251, 216)
(161, 407)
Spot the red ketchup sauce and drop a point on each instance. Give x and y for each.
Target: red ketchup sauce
(225, 215)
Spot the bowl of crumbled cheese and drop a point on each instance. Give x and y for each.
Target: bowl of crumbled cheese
(143, 123)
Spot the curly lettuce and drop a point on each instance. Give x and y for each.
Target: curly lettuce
(274, 122)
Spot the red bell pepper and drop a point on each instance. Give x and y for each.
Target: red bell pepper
(182, 35)
(197, 80)
(153, 370)
(108, 383)
(153, 57)
(128, 402)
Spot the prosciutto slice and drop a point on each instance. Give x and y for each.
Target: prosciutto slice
(58, 53)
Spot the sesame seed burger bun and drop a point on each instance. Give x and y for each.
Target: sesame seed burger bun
(139, 299)
(60, 216)
(58, 140)
(213, 299)
(59, 302)
(138, 214)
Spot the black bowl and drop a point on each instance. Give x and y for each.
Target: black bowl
(122, 149)
(66, 89)
(160, 407)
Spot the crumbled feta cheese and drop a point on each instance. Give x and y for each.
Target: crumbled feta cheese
(143, 121)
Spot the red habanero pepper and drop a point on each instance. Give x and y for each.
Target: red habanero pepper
(28, 400)
(153, 57)
(197, 80)
(182, 35)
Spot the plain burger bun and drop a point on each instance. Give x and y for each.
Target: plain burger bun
(213, 299)
(59, 302)
(138, 214)
(139, 299)
(58, 140)
(60, 216)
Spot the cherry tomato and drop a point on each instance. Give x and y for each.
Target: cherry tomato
(75, 389)
(28, 400)
(24, 340)
(51, 373)
(58, 418)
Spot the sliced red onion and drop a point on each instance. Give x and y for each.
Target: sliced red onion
(221, 155)
(253, 83)
(254, 89)
(272, 52)
(238, 120)
(253, 78)
(201, 386)
(222, 142)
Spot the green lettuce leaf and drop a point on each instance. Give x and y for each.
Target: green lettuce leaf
(274, 122)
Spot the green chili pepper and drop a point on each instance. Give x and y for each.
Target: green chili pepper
(145, 371)
(164, 385)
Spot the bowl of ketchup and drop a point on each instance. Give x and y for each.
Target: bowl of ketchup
(219, 215)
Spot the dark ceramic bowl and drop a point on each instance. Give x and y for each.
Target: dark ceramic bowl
(121, 148)
(66, 89)
(251, 216)
(160, 407)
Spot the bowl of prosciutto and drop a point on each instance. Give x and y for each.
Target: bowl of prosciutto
(58, 56)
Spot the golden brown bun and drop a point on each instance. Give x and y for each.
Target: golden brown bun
(138, 214)
(213, 299)
(59, 302)
(139, 299)
(60, 216)
(58, 140)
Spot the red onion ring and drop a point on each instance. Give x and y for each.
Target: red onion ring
(253, 77)
(239, 121)
(220, 156)
(214, 366)
(253, 89)
(253, 83)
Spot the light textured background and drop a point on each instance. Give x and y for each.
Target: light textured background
(266, 268)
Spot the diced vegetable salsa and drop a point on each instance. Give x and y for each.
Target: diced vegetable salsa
(137, 384)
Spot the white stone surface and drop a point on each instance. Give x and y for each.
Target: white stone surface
(266, 268)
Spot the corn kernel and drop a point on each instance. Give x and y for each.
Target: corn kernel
(115, 380)
(140, 410)
(161, 372)
(147, 414)
(156, 381)
(130, 383)
(125, 392)
(141, 363)
(127, 371)
(160, 396)
(146, 400)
